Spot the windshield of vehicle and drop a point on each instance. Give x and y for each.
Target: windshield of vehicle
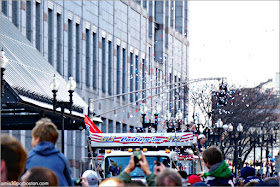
(114, 165)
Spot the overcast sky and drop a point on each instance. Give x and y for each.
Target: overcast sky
(234, 39)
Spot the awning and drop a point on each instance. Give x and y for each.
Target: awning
(28, 96)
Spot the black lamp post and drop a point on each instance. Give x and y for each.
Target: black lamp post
(260, 138)
(219, 126)
(179, 117)
(167, 118)
(143, 111)
(3, 63)
(235, 135)
(71, 85)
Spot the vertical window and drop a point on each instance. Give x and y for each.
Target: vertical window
(145, 4)
(103, 125)
(170, 92)
(150, 62)
(166, 21)
(150, 21)
(38, 26)
(50, 36)
(131, 76)
(143, 80)
(160, 82)
(15, 10)
(124, 128)
(124, 73)
(94, 60)
(118, 127)
(5, 7)
(70, 48)
(110, 68)
(110, 127)
(78, 53)
(156, 80)
(179, 94)
(118, 70)
(136, 77)
(176, 94)
(29, 20)
(59, 45)
(131, 128)
(103, 65)
(88, 61)
(172, 13)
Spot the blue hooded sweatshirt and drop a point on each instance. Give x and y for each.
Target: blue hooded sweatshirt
(46, 155)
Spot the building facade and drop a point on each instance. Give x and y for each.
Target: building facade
(129, 51)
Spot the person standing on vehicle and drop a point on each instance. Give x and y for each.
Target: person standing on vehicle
(201, 139)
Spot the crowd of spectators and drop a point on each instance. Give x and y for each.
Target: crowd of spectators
(44, 165)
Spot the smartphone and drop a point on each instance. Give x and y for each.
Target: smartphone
(158, 163)
(78, 182)
(137, 157)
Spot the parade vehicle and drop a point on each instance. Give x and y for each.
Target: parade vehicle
(115, 150)
(112, 151)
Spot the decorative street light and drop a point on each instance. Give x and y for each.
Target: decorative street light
(239, 130)
(219, 126)
(179, 117)
(237, 143)
(156, 112)
(167, 118)
(252, 131)
(71, 85)
(3, 64)
(261, 134)
(143, 111)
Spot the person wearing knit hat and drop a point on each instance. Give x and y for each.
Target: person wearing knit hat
(193, 179)
(200, 142)
(249, 174)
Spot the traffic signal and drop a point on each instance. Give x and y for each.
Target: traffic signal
(223, 95)
(156, 122)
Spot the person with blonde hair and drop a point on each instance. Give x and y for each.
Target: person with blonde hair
(112, 181)
(13, 157)
(44, 153)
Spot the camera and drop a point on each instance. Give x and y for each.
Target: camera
(77, 182)
(137, 157)
(158, 163)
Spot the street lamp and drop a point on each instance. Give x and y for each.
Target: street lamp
(156, 112)
(167, 118)
(179, 117)
(3, 63)
(219, 126)
(71, 85)
(239, 130)
(143, 111)
(252, 130)
(260, 133)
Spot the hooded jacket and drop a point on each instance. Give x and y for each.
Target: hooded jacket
(219, 175)
(46, 155)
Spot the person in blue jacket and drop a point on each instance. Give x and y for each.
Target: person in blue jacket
(44, 153)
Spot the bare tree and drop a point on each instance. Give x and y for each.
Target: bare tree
(254, 108)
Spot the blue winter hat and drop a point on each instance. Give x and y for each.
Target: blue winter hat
(247, 171)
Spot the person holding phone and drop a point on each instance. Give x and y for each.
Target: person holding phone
(143, 164)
